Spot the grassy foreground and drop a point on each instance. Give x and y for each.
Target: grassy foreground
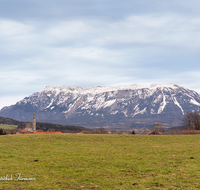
(62, 161)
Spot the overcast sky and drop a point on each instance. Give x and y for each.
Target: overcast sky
(97, 43)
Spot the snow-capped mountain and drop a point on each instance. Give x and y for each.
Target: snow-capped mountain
(121, 106)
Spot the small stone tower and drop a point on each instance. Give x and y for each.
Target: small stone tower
(34, 123)
(31, 126)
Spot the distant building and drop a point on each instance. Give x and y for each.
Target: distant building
(154, 133)
(25, 132)
(31, 127)
(191, 131)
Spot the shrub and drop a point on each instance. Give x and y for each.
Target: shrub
(2, 132)
(133, 132)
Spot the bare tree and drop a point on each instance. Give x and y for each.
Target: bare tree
(101, 130)
(188, 120)
(158, 126)
(196, 120)
(113, 131)
(192, 120)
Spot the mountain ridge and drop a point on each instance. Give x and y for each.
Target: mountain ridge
(122, 106)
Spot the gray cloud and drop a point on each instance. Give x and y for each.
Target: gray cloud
(100, 42)
(73, 9)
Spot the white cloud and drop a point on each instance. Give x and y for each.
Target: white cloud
(9, 100)
(141, 48)
(145, 30)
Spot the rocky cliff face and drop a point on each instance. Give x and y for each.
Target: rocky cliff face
(122, 106)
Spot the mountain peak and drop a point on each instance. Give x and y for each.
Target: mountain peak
(101, 89)
(107, 105)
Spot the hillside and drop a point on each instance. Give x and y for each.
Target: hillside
(123, 106)
(4, 120)
(44, 126)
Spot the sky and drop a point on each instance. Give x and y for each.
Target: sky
(97, 43)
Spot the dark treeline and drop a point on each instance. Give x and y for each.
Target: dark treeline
(57, 127)
(45, 126)
(4, 120)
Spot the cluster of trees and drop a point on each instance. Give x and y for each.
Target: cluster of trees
(2, 132)
(9, 121)
(55, 127)
(192, 120)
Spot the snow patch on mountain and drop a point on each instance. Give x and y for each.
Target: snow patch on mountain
(103, 89)
(125, 113)
(139, 111)
(50, 104)
(109, 103)
(192, 101)
(162, 105)
(126, 101)
(176, 103)
(114, 112)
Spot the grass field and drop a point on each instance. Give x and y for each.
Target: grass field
(61, 161)
(8, 126)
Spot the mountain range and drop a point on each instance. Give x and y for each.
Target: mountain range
(122, 106)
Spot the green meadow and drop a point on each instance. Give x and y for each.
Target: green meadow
(70, 161)
(4, 126)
